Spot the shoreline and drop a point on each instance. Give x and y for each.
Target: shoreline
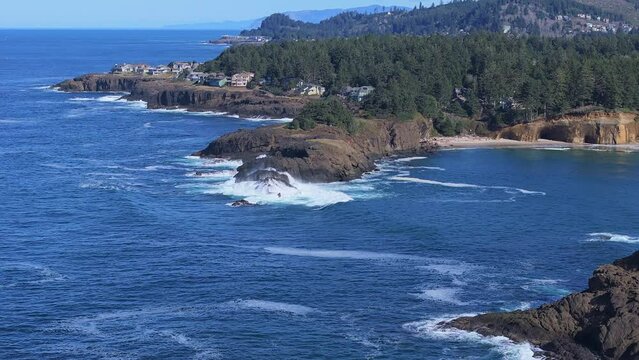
(478, 142)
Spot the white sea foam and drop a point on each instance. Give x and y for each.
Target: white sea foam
(437, 168)
(271, 306)
(433, 329)
(215, 175)
(466, 186)
(267, 119)
(182, 339)
(340, 254)
(39, 274)
(410, 159)
(547, 287)
(612, 237)
(213, 163)
(158, 167)
(276, 192)
(448, 269)
(10, 121)
(555, 148)
(444, 295)
(117, 98)
(524, 305)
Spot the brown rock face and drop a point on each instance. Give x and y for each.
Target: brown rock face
(599, 323)
(594, 128)
(165, 93)
(324, 154)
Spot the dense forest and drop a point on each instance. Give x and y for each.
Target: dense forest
(494, 78)
(531, 17)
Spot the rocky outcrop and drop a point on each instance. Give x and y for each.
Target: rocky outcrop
(609, 128)
(162, 93)
(324, 154)
(599, 323)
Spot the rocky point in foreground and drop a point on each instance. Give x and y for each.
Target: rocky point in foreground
(599, 323)
(323, 154)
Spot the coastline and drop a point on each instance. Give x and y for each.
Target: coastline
(478, 142)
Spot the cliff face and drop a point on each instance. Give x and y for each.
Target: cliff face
(324, 154)
(599, 323)
(165, 93)
(594, 128)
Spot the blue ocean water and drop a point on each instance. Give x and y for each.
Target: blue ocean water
(111, 249)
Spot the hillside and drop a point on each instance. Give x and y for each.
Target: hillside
(628, 9)
(531, 17)
(497, 79)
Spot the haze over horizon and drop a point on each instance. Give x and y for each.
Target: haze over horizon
(68, 14)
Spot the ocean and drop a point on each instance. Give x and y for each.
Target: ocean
(111, 248)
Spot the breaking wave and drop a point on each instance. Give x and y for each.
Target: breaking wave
(434, 329)
(119, 98)
(276, 192)
(410, 159)
(611, 237)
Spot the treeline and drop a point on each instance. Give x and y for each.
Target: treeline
(456, 17)
(499, 79)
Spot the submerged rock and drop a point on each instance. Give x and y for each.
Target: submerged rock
(241, 203)
(599, 323)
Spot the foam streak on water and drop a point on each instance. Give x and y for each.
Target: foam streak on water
(340, 254)
(465, 186)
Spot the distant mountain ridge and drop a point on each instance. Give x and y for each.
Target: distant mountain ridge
(555, 18)
(308, 16)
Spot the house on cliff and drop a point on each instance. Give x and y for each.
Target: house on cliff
(310, 90)
(358, 93)
(130, 68)
(242, 79)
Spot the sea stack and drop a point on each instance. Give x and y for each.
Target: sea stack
(601, 322)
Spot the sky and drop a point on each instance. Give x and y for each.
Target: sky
(155, 13)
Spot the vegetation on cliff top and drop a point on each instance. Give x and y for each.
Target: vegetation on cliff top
(489, 77)
(329, 111)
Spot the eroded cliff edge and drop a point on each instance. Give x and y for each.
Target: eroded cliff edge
(323, 154)
(601, 322)
(168, 94)
(606, 128)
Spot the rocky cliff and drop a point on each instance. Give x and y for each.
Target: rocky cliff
(324, 154)
(607, 128)
(166, 93)
(599, 323)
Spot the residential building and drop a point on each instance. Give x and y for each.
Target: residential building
(310, 90)
(217, 81)
(358, 93)
(130, 68)
(179, 66)
(242, 79)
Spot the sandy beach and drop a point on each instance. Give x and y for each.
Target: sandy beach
(473, 142)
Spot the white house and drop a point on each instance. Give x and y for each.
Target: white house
(242, 79)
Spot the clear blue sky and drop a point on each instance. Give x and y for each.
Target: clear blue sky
(155, 13)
